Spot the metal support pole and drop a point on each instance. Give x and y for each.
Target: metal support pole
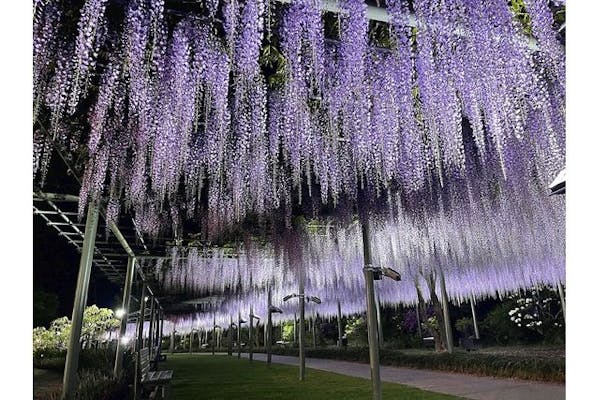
(295, 329)
(475, 326)
(339, 324)
(419, 332)
(561, 294)
(160, 335)
(269, 328)
(379, 323)
(157, 328)
(230, 337)
(371, 314)
(172, 343)
(239, 335)
(314, 331)
(191, 336)
(301, 332)
(139, 344)
(151, 327)
(446, 310)
(214, 338)
(125, 308)
(81, 293)
(250, 335)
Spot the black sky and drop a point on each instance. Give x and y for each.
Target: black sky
(55, 268)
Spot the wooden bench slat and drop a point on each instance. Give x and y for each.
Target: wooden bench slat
(152, 377)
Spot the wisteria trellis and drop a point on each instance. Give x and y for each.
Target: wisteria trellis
(460, 123)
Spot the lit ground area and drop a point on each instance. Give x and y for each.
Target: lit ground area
(223, 377)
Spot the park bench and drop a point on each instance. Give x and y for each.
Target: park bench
(153, 380)
(157, 358)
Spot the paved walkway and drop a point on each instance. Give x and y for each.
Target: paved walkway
(467, 386)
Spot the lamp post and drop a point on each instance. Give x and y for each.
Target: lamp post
(371, 274)
(302, 298)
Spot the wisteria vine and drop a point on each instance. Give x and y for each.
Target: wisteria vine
(458, 123)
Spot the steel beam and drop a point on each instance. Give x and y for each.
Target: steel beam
(381, 14)
(81, 293)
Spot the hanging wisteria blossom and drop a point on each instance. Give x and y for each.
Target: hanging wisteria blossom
(456, 124)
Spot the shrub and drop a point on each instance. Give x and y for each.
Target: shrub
(356, 331)
(523, 367)
(94, 385)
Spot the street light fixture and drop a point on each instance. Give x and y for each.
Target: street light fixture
(120, 313)
(308, 299)
(380, 272)
(289, 296)
(314, 299)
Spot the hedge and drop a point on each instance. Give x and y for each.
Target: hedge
(507, 366)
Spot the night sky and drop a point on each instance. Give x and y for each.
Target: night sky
(55, 268)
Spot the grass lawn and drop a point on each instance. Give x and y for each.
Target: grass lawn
(222, 377)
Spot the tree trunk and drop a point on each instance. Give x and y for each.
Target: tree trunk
(439, 334)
